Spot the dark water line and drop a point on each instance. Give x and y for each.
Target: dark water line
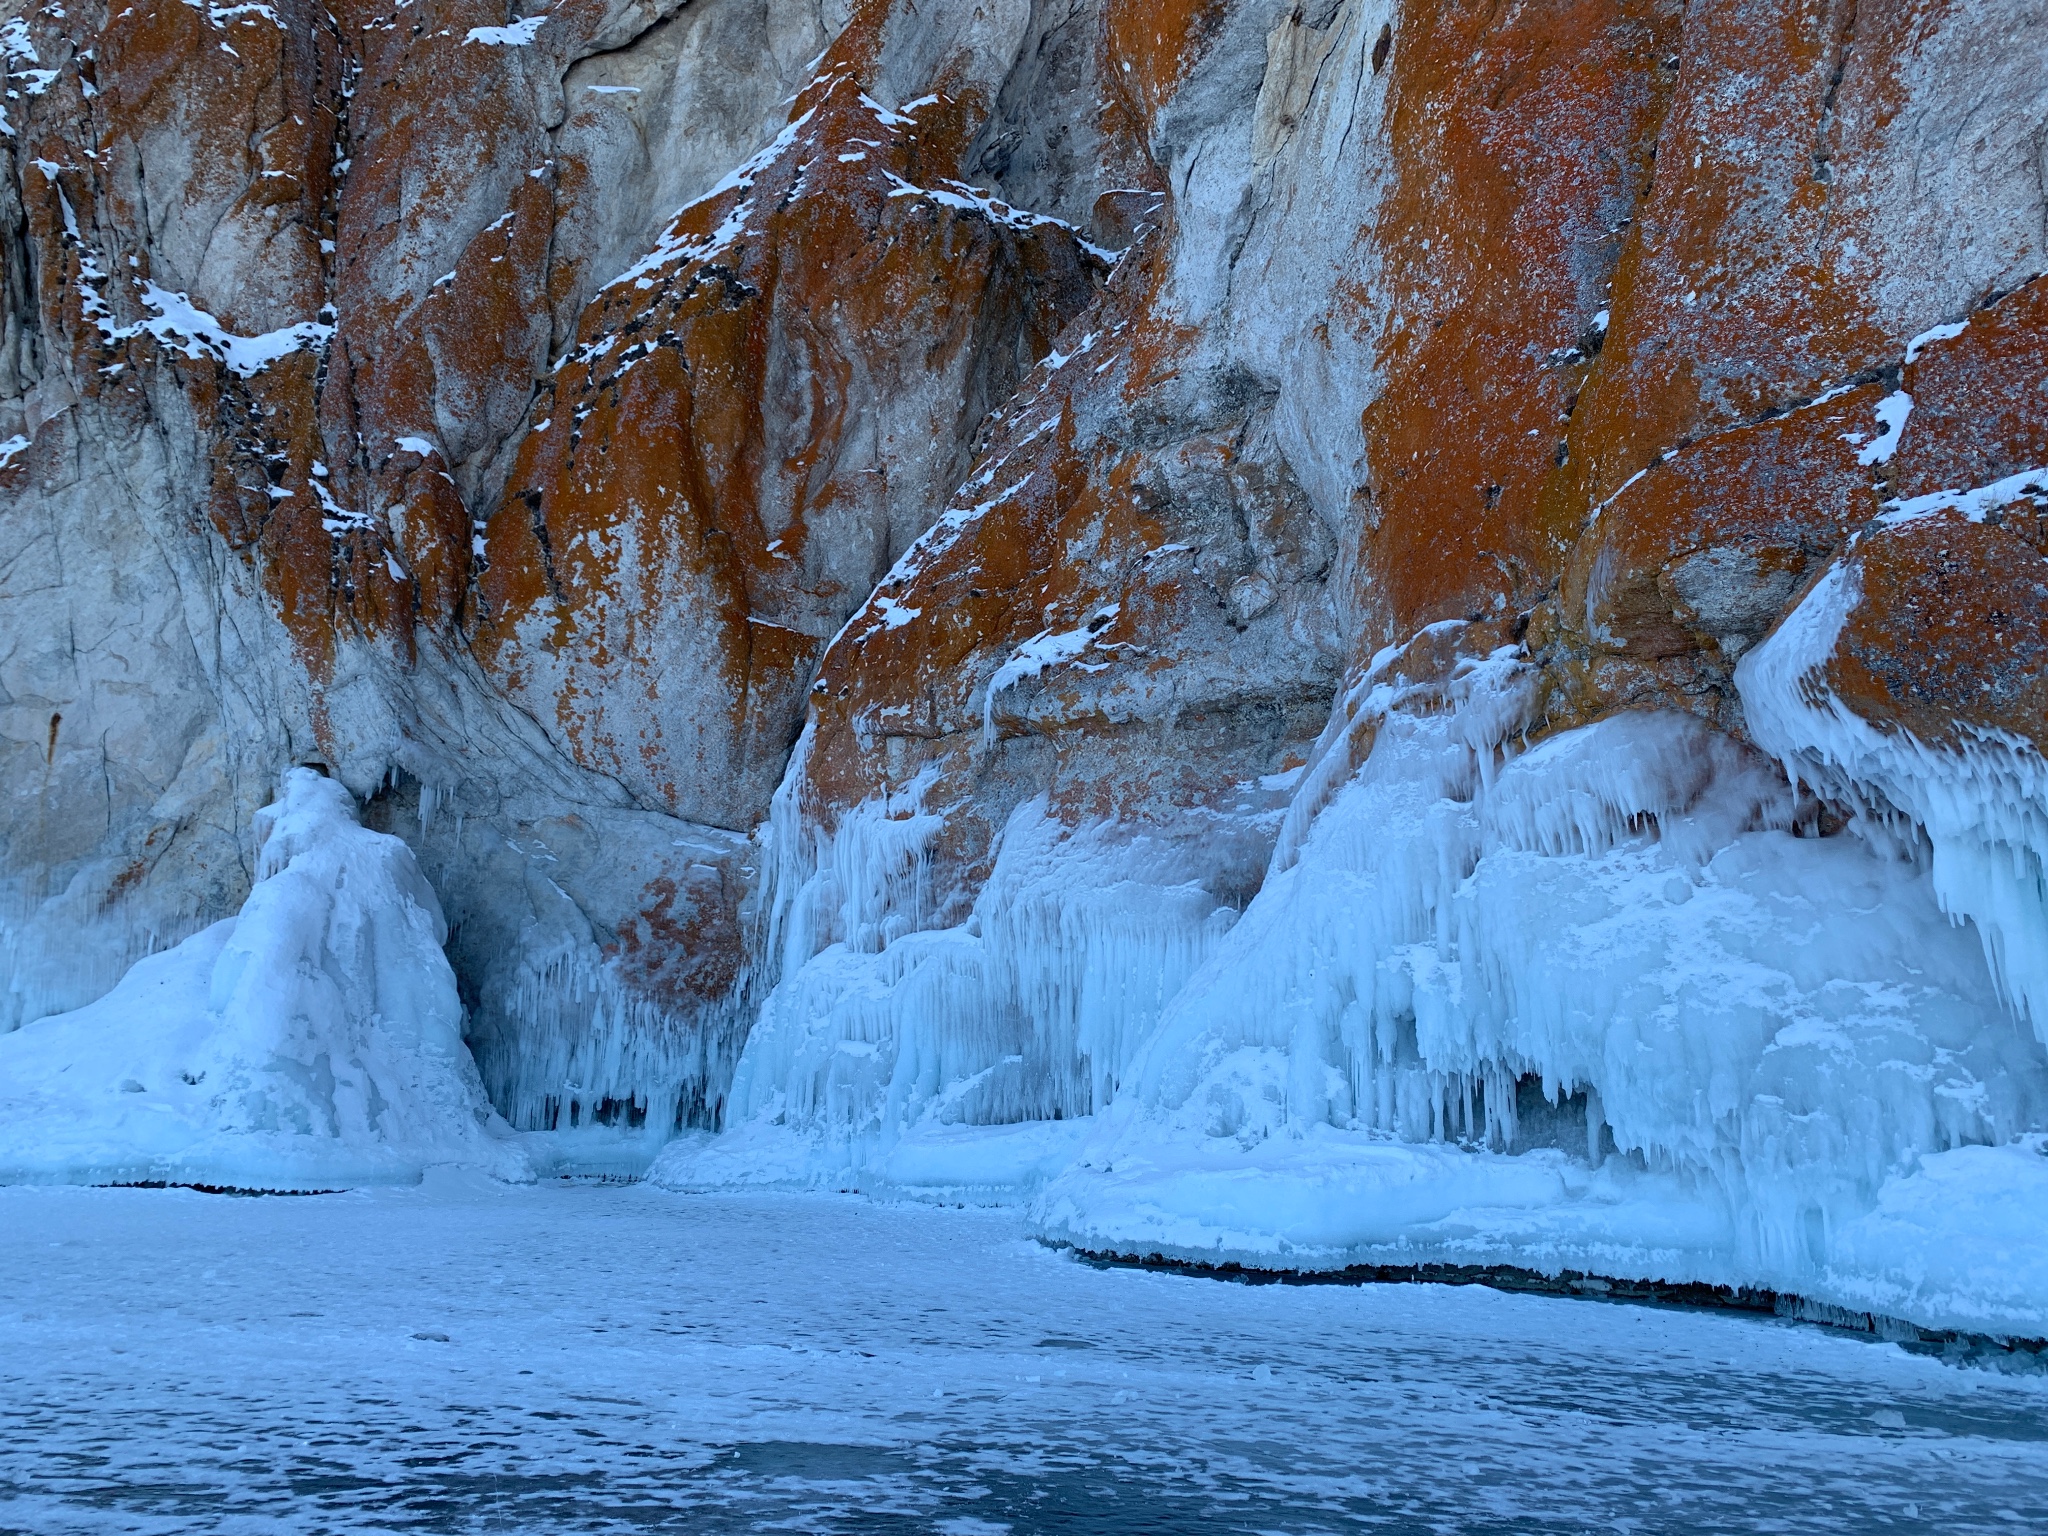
(2018, 1356)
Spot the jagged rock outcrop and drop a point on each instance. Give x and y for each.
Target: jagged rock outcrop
(1051, 450)
(294, 297)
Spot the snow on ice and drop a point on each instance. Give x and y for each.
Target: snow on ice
(458, 1356)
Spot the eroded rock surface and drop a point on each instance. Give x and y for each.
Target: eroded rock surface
(1060, 414)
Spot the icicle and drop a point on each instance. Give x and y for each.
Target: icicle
(1620, 911)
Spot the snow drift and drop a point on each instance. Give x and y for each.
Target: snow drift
(311, 1041)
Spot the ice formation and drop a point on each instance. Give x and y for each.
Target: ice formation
(312, 1041)
(1593, 1005)
(1983, 806)
(1609, 1003)
(625, 1056)
(894, 1054)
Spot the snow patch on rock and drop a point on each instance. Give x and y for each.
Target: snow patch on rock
(180, 324)
(517, 35)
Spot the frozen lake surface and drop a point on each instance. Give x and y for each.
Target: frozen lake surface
(569, 1358)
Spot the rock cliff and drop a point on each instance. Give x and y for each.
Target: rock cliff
(865, 536)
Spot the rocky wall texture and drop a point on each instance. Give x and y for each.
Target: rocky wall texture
(1598, 329)
(539, 420)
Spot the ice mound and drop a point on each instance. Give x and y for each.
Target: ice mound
(1594, 1005)
(310, 1042)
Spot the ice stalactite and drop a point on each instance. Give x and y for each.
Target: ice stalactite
(1589, 1004)
(886, 1044)
(592, 1052)
(314, 1040)
(1982, 803)
(596, 948)
(860, 886)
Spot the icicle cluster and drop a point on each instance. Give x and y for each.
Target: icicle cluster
(590, 1051)
(883, 1028)
(1608, 1002)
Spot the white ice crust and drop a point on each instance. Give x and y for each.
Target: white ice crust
(313, 1041)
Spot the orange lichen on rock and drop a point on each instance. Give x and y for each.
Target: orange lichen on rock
(1979, 392)
(1517, 143)
(682, 946)
(1695, 558)
(1948, 637)
(1782, 245)
(750, 427)
(188, 178)
(1153, 44)
(1707, 546)
(216, 130)
(1948, 634)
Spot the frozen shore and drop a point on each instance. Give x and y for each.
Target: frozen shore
(469, 1356)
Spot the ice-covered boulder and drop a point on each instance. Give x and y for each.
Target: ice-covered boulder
(312, 1041)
